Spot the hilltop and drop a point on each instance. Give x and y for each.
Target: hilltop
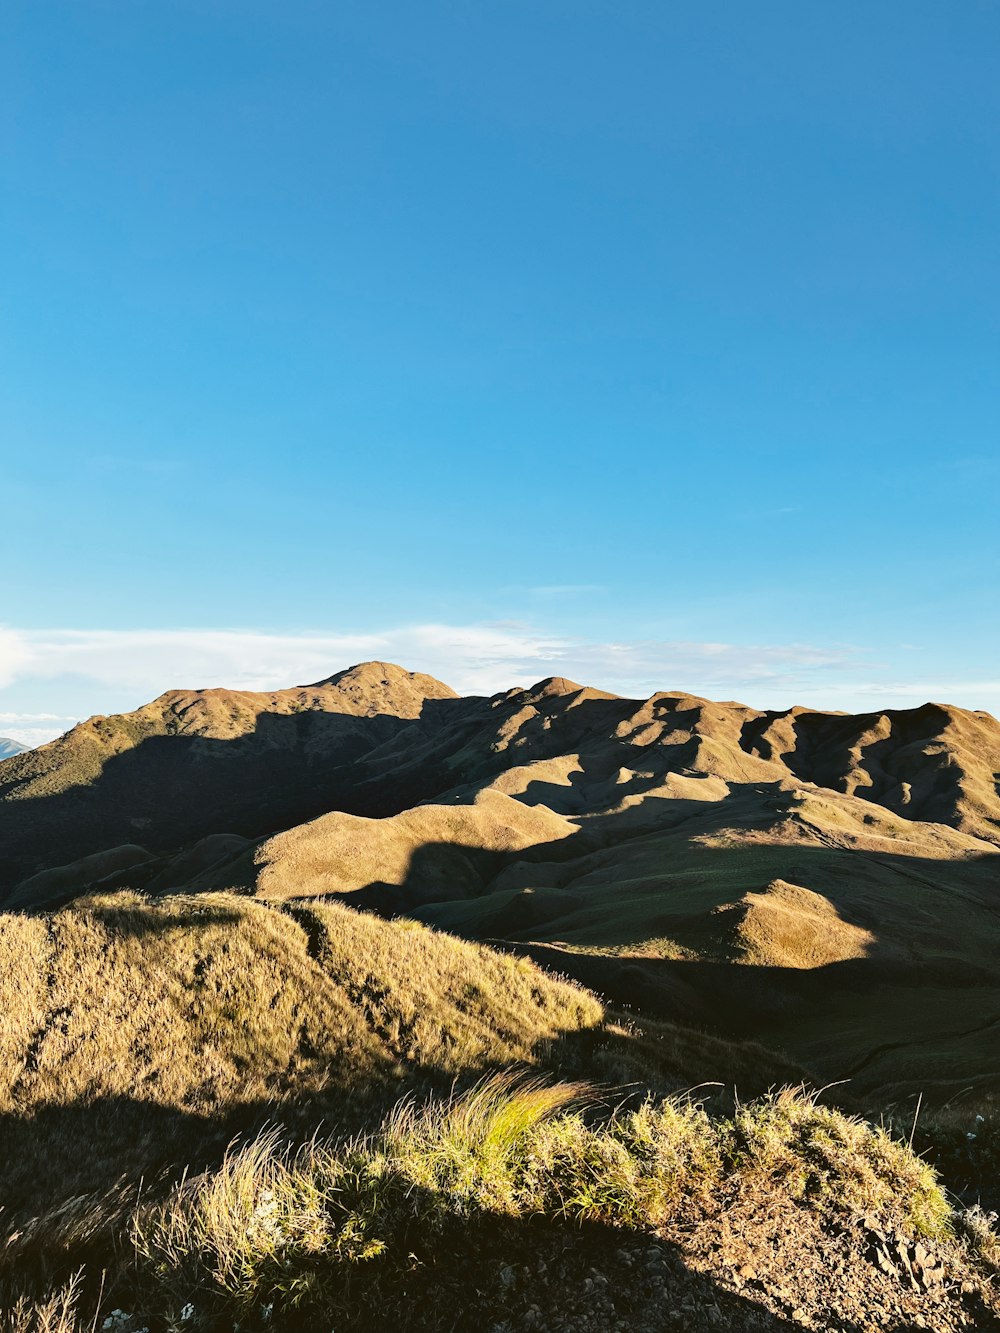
(157, 1029)
(9, 748)
(376, 740)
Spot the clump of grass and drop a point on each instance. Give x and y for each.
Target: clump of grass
(155, 1030)
(236, 1227)
(836, 1162)
(963, 1142)
(634, 1170)
(978, 1228)
(470, 1149)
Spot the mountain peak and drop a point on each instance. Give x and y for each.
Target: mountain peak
(384, 678)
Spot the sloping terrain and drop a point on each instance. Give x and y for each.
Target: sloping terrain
(152, 1031)
(654, 895)
(823, 882)
(9, 748)
(376, 740)
(524, 1204)
(134, 1025)
(195, 763)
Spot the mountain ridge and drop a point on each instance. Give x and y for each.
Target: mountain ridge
(755, 873)
(935, 763)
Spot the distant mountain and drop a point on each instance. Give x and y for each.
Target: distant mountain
(8, 748)
(762, 874)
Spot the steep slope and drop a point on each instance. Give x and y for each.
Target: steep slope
(391, 865)
(151, 1032)
(376, 740)
(142, 1024)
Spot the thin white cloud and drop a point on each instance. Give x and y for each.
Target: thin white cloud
(974, 694)
(15, 655)
(34, 717)
(473, 658)
(120, 669)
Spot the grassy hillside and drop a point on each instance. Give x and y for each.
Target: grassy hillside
(153, 1031)
(376, 740)
(199, 762)
(148, 1026)
(822, 882)
(139, 1035)
(635, 896)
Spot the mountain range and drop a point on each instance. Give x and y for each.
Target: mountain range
(824, 883)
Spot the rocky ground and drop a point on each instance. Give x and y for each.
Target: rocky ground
(749, 1268)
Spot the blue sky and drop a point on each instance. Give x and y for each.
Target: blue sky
(654, 344)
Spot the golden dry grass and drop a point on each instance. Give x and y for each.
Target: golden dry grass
(787, 926)
(340, 853)
(152, 1031)
(151, 1028)
(338, 1233)
(203, 1001)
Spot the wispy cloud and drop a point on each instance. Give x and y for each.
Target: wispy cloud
(128, 667)
(478, 659)
(19, 719)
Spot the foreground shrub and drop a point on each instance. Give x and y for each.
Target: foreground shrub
(836, 1162)
(333, 1228)
(56, 1313)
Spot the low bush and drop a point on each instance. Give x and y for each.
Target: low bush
(336, 1229)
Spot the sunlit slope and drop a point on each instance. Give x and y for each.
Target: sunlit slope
(394, 864)
(194, 763)
(826, 882)
(139, 1036)
(132, 1023)
(376, 740)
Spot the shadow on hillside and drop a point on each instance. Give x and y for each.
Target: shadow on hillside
(485, 1272)
(641, 873)
(125, 921)
(101, 1145)
(170, 790)
(667, 859)
(931, 923)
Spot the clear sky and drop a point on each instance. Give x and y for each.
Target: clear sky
(655, 344)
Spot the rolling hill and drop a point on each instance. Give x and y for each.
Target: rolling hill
(825, 883)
